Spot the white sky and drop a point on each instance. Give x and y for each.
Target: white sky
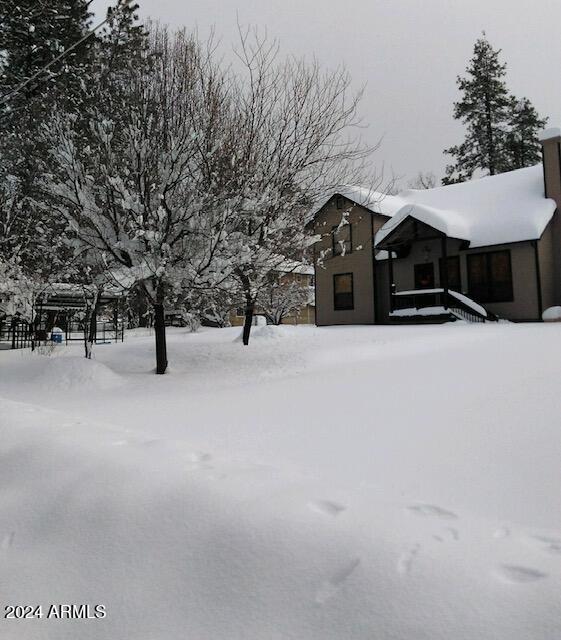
(408, 52)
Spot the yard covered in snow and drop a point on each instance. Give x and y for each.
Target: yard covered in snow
(323, 483)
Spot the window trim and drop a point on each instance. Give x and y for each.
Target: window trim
(350, 240)
(487, 254)
(335, 307)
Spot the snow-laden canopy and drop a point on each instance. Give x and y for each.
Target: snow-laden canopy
(293, 266)
(510, 207)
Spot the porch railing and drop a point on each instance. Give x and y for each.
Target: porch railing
(444, 302)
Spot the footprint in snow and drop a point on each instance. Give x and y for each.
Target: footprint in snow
(454, 533)
(119, 443)
(432, 510)
(7, 541)
(200, 457)
(153, 442)
(405, 561)
(549, 544)
(449, 534)
(330, 587)
(518, 574)
(200, 460)
(326, 507)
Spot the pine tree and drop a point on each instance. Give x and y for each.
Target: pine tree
(33, 34)
(522, 146)
(484, 109)
(123, 47)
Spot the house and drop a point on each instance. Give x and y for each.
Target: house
(288, 271)
(479, 250)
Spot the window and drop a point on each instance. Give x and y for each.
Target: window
(342, 238)
(240, 311)
(490, 276)
(343, 297)
(454, 273)
(339, 202)
(424, 275)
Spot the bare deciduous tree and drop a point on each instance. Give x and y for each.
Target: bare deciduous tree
(296, 127)
(423, 180)
(139, 195)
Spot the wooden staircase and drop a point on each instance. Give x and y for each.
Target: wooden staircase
(436, 306)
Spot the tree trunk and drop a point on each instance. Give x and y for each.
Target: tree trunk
(160, 331)
(90, 326)
(91, 332)
(490, 137)
(249, 309)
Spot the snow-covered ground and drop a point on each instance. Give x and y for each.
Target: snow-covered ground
(397, 483)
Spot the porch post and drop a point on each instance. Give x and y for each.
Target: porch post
(390, 278)
(444, 270)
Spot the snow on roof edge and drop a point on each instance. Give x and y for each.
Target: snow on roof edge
(501, 209)
(549, 134)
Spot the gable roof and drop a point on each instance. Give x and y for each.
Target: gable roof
(374, 201)
(509, 207)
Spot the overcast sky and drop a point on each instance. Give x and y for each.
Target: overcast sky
(407, 52)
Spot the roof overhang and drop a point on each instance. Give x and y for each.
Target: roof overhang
(408, 231)
(353, 203)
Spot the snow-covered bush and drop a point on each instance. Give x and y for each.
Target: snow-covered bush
(282, 296)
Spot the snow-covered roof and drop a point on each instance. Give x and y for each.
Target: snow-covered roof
(549, 134)
(376, 201)
(509, 207)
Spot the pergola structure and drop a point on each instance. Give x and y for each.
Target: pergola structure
(62, 304)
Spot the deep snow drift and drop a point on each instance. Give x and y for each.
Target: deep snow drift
(349, 482)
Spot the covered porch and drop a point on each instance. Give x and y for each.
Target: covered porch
(431, 292)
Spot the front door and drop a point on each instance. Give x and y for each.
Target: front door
(424, 275)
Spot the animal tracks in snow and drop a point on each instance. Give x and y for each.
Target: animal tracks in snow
(450, 533)
(519, 574)
(509, 573)
(326, 507)
(200, 457)
(330, 587)
(501, 533)
(431, 510)
(549, 544)
(406, 560)
(7, 541)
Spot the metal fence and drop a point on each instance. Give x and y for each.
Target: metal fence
(18, 335)
(15, 335)
(106, 332)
